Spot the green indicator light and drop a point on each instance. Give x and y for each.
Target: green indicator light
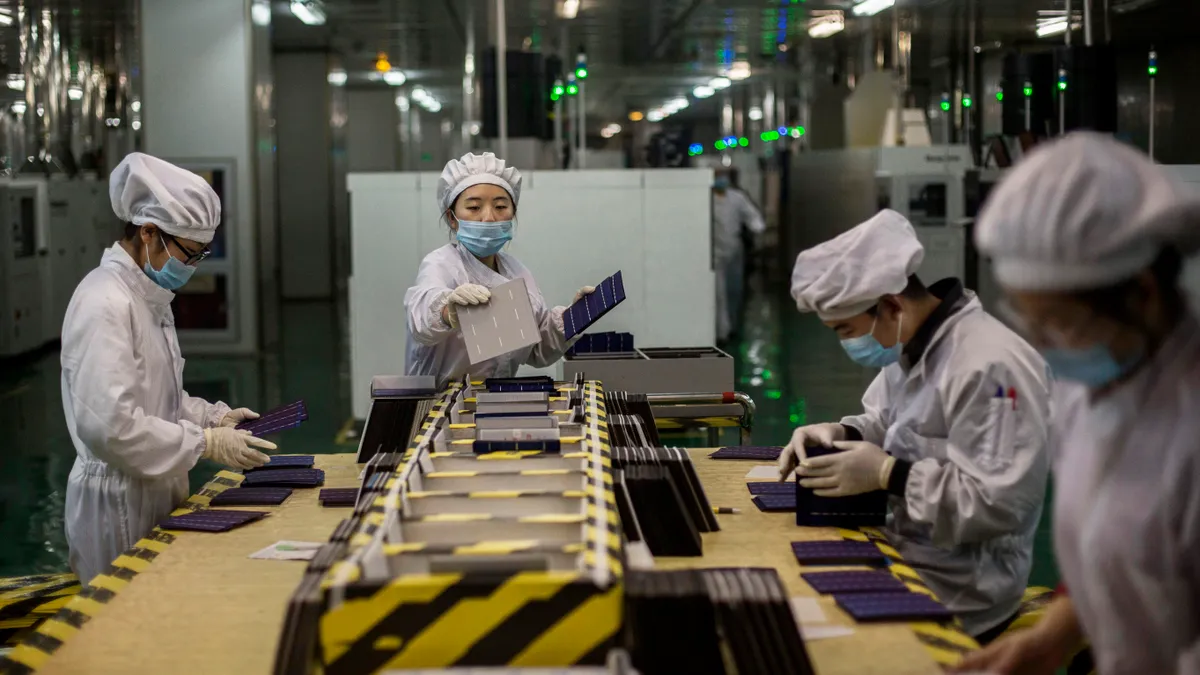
(766, 374)
(774, 394)
(999, 96)
(945, 106)
(720, 145)
(801, 130)
(794, 418)
(699, 150)
(558, 90)
(1029, 91)
(743, 141)
(1062, 86)
(554, 97)
(765, 136)
(572, 89)
(581, 73)
(966, 101)
(1153, 70)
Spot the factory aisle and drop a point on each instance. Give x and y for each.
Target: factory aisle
(790, 364)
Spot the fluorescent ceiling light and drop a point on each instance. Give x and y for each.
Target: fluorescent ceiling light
(433, 106)
(720, 83)
(614, 128)
(738, 70)
(567, 9)
(337, 77)
(16, 82)
(675, 105)
(309, 11)
(419, 94)
(703, 92)
(826, 24)
(5, 17)
(756, 114)
(75, 93)
(872, 7)
(402, 103)
(260, 14)
(654, 116)
(18, 107)
(395, 77)
(1052, 27)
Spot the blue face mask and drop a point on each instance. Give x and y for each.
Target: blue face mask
(173, 275)
(721, 183)
(484, 239)
(865, 350)
(1094, 366)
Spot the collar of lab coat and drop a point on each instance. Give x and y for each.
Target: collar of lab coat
(479, 270)
(118, 259)
(954, 299)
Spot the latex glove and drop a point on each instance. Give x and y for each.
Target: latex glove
(236, 417)
(812, 435)
(860, 467)
(586, 290)
(1027, 652)
(466, 294)
(235, 449)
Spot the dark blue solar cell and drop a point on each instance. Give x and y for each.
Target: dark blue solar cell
(858, 581)
(765, 453)
(864, 607)
(251, 496)
(837, 552)
(771, 488)
(775, 503)
(608, 294)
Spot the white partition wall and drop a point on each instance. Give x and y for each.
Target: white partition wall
(573, 229)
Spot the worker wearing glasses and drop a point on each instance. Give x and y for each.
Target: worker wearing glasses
(136, 432)
(1087, 237)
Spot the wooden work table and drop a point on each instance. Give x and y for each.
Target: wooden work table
(204, 607)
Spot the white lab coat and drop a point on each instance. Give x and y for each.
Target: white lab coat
(730, 212)
(434, 348)
(1127, 511)
(136, 431)
(978, 479)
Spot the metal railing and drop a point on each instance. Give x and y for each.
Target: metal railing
(702, 405)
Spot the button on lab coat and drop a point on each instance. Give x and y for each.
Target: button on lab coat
(979, 468)
(136, 431)
(434, 348)
(1127, 511)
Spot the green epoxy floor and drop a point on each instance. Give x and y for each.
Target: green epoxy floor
(790, 364)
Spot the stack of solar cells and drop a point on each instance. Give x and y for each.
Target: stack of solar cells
(773, 497)
(280, 419)
(513, 384)
(391, 425)
(760, 453)
(286, 462)
(864, 510)
(876, 595)
(609, 342)
(251, 496)
(211, 520)
(290, 478)
(608, 294)
(712, 622)
(484, 447)
(339, 496)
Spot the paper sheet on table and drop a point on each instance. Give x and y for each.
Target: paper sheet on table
(824, 632)
(289, 550)
(807, 610)
(763, 472)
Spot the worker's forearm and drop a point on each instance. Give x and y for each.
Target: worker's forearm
(1060, 624)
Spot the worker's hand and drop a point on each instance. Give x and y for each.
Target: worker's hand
(236, 417)
(1028, 652)
(860, 467)
(235, 449)
(466, 294)
(586, 290)
(812, 435)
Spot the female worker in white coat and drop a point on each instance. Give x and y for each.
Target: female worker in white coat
(954, 427)
(1087, 237)
(136, 431)
(478, 197)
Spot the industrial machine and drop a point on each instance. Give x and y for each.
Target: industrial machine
(23, 267)
(831, 191)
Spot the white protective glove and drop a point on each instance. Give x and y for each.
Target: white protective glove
(812, 435)
(860, 467)
(586, 290)
(466, 294)
(237, 416)
(235, 449)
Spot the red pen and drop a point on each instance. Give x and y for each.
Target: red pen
(1012, 393)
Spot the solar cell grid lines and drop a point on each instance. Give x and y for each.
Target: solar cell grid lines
(251, 496)
(504, 324)
(211, 520)
(857, 581)
(579, 316)
(837, 553)
(279, 419)
(866, 607)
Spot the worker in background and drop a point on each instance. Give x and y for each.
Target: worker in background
(1088, 237)
(732, 210)
(136, 431)
(954, 427)
(478, 196)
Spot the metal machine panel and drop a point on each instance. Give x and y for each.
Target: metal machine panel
(22, 268)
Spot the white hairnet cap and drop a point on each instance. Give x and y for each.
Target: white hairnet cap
(145, 189)
(1083, 212)
(471, 169)
(847, 275)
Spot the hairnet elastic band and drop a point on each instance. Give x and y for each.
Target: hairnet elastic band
(1043, 275)
(478, 179)
(188, 233)
(845, 311)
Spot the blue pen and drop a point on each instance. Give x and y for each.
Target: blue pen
(999, 392)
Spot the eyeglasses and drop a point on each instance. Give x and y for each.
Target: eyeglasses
(192, 258)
